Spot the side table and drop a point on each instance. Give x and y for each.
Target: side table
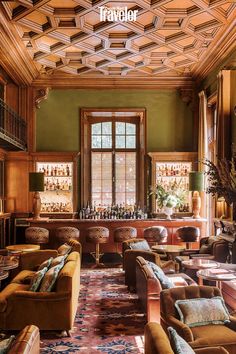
(218, 275)
(22, 248)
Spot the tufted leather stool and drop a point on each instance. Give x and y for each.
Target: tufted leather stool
(155, 234)
(36, 235)
(122, 234)
(188, 234)
(97, 235)
(64, 233)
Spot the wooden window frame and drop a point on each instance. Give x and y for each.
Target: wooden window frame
(124, 114)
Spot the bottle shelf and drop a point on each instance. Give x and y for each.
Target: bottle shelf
(58, 187)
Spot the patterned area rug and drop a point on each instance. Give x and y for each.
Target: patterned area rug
(108, 318)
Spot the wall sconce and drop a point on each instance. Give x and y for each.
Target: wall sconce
(36, 184)
(196, 184)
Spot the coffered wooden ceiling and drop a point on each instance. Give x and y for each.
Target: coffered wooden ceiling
(178, 38)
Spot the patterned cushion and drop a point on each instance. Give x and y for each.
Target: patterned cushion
(57, 260)
(6, 344)
(46, 263)
(140, 245)
(64, 249)
(37, 278)
(166, 283)
(178, 344)
(50, 278)
(202, 311)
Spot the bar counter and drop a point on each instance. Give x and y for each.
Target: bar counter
(110, 247)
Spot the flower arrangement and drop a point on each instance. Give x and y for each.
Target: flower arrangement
(222, 179)
(172, 198)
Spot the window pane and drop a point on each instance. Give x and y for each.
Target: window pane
(96, 141)
(101, 175)
(120, 141)
(125, 168)
(106, 128)
(96, 128)
(130, 129)
(120, 128)
(130, 142)
(106, 141)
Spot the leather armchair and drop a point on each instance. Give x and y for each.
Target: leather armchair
(27, 341)
(213, 248)
(130, 265)
(198, 336)
(148, 289)
(157, 342)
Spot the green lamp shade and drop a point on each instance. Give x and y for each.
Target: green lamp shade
(36, 182)
(196, 181)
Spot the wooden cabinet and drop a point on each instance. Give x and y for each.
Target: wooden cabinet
(5, 230)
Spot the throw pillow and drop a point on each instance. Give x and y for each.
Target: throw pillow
(46, 263)
(57, 261)
(64, 249)
(178, 344)
(140, 245)
(202, 311)
(166, 283)
(37, 278)
(6, 344)
(50, 278)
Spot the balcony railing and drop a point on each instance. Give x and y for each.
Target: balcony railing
(13, 129)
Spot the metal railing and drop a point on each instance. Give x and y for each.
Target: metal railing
(13, 128)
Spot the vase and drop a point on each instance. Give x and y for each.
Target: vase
(168, 212)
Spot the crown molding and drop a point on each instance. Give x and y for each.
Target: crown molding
(13, 57)
(67, 82)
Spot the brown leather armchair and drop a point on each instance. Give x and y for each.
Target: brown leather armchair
(213, 248)
(148, 288)
(130, 265)
(27, 341)
(157, 342)
(197, 336)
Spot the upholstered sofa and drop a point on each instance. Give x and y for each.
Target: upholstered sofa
(27, 341)
(198, 335)
(148, 288)
(157, 342)
(53, 310)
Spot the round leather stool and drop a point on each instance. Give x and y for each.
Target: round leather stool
(64, 233)
(36, 235)
(122, 234)
(188, 234)
(97, 235)
(155, 234)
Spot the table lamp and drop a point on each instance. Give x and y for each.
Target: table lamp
(196, 185)
(36, 184)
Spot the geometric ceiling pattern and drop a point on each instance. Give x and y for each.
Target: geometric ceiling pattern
(168, 37)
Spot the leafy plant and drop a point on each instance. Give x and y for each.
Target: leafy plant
(222, 179)
(172, 198)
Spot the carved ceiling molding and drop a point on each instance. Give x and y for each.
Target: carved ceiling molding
(114, 83)
(13, 58)
(168, 39)
(40, 95)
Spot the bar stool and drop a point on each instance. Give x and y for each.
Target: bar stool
(97, 235)
(36, 235)
(155, 234)
(122, 234)
(64, 233)
(188, 234)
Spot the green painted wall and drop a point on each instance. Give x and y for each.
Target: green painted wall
(169, 119)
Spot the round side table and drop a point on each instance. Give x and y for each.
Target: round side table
(218, 275)
(171, 250)
(12, 249)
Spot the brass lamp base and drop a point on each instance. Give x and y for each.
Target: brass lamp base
(36, 206)
(196, 205)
